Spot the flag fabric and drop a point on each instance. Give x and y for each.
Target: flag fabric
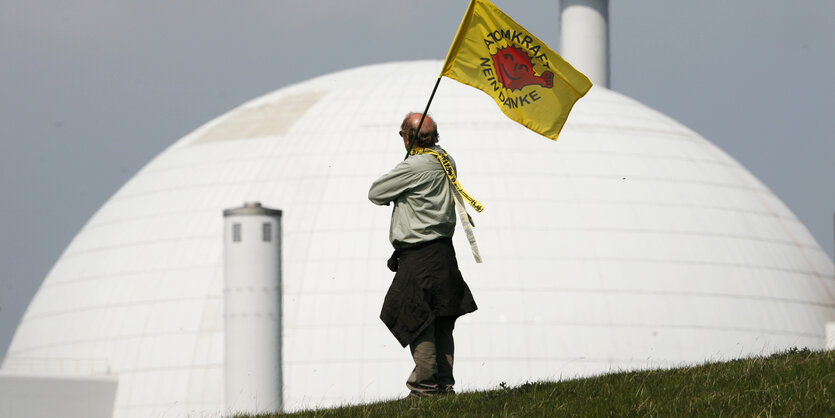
(531, 83)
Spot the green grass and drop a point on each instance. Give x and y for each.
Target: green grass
(794, 383)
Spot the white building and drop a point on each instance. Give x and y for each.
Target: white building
(630, 242)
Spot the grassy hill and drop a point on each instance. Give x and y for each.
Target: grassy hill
(797, 383)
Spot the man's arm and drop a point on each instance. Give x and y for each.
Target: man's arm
(387, 188)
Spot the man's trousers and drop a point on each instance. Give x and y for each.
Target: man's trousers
(433, 351)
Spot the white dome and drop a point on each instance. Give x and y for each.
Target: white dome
(632, 241)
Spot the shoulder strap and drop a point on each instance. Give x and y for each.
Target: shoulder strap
(450, 173)
(459, 195)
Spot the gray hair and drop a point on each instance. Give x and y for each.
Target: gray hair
(426, 138)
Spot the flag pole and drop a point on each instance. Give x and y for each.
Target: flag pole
(425, 111)
(453, 50)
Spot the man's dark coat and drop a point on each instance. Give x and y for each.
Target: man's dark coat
(427, 285)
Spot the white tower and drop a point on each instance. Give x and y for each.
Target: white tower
(584, 37)
(252, 302)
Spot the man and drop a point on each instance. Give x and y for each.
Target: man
(428, 292)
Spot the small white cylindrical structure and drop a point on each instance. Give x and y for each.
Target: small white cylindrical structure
(252, 304)
(830, 336)
(584, 37)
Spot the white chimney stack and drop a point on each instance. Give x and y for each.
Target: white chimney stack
(252, 309)
(584, 37)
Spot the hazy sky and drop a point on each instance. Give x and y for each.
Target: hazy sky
(91, 90)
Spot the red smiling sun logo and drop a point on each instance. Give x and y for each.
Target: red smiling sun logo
(515, 70)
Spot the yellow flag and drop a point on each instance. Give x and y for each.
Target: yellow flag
(531, 84)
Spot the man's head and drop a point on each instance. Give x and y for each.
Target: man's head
(428, 131)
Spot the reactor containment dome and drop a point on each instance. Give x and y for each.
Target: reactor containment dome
(631, 242)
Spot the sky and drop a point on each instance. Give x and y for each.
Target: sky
(92, 90)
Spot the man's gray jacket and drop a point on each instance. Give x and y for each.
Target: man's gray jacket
(428, 283)
(424, 209)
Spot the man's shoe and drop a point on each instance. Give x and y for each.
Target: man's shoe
(415, 394)
(446, 390)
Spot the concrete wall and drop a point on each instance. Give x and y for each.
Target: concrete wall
(47, 397)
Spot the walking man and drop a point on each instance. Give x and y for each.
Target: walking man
(428, 292)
